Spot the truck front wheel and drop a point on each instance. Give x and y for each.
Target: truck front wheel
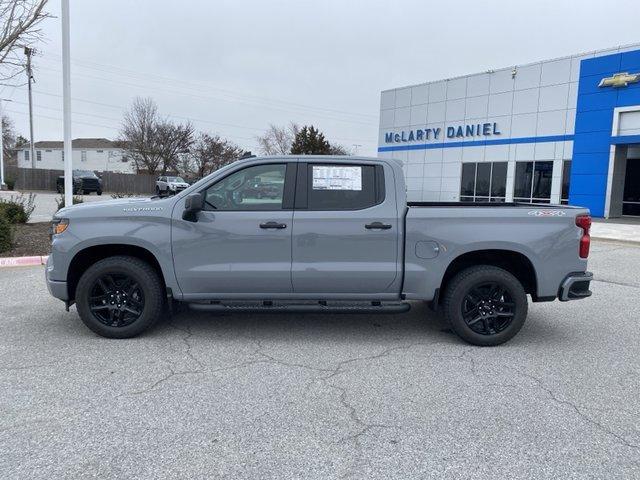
(119, 297)
(485, 305)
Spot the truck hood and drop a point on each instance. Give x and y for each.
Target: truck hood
(116, 207)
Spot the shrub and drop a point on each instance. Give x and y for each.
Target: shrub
(122, 195)
(60, 201)
(6, 234)
(18, 209)
(11, 183)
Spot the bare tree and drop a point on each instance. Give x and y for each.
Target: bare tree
(19, 27)
(155, 144)
(8, 141)
(278, 140)
(210, 152)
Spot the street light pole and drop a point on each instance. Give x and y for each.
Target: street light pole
(66, 106)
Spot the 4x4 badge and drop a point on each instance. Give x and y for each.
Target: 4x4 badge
(547, 213)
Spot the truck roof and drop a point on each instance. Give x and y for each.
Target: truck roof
(325, 158)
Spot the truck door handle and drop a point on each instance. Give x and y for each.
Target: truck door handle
(274, 225)
(377, 226)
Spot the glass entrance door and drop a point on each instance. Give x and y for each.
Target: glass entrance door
(631, 195)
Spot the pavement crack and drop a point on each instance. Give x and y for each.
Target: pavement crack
(613, 282)
(574, 407)
(186, 339)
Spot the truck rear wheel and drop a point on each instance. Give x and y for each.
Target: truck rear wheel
(119, 297)
(485, 305)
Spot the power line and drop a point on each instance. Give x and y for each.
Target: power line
(146, 76)
(189, 93)
(197, 120)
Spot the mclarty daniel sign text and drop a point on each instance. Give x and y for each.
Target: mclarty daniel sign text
(452, 131)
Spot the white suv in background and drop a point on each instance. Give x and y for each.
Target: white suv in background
(166, 185)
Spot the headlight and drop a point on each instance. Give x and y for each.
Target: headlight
(59, 225)
(172, 186)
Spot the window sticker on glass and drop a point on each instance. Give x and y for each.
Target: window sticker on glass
(337, 178)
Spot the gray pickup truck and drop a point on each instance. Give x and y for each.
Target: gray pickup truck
(315, 234)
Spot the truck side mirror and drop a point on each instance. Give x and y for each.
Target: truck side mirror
(192, 205)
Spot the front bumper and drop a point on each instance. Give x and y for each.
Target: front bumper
(575, 286)
(57, 288)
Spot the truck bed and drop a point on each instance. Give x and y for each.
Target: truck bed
(486, 204)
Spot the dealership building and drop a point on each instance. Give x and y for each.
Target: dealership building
(565, 130)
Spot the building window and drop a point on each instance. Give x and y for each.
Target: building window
(26, 155)
(483, 182)
(62, 155)
(566, 177)
(533, 182)
(83, 156)
(39, 155)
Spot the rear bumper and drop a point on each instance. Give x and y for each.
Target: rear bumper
(575, 286)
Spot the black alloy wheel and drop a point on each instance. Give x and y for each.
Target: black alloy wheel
(120, 296)
(116, 300)
(488, 308)
(485, 305)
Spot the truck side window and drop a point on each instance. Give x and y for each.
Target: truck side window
(343, 187)
(260, 187)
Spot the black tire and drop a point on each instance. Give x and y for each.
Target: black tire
(157, 190)
(149, 285)
(59, 189)
(499, 301)
(99, 192)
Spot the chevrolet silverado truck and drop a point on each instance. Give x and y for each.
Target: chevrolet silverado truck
(338, 235)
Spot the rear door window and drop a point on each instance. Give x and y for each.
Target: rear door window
(343, 186)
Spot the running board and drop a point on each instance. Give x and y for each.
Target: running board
(318, 307)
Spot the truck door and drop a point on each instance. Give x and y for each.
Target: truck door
(241, 242)
(345, 230)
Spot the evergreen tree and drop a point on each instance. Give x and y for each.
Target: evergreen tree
(310, 141)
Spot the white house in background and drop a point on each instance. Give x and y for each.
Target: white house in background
(98, 154)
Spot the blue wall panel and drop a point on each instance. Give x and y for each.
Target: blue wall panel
(605, 65)
(592, 142)
(590, 163)
(594, 121)
(601, 100)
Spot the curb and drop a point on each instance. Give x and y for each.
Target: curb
(23, 261)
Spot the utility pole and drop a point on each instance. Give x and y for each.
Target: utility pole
(66, 106)
(28, 52)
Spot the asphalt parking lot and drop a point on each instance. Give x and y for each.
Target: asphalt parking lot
(46, 205)
(261, 396)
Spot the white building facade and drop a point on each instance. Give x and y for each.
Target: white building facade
(558, 131)
(97, 154)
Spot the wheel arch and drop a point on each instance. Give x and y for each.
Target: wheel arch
(516, 263)
(86, 257)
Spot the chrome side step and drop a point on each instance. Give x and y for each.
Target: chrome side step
(322, 306)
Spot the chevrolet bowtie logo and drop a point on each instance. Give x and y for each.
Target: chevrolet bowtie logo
(620, 80)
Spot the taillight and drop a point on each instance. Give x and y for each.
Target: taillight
(584, 222)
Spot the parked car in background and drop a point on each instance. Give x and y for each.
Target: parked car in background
(167, 185)
(339, 236)
(84, 182)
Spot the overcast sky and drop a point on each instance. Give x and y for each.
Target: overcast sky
(233, 67)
